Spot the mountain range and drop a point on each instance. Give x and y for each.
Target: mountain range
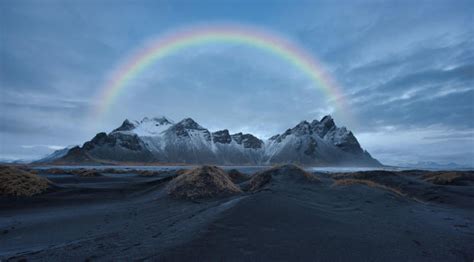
(159, 139)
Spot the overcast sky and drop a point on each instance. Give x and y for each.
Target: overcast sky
(406, 69)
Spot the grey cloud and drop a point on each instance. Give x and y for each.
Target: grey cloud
(16, 126)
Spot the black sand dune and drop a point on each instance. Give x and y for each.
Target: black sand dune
(287, 219)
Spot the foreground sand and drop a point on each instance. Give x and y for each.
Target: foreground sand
(116, 217)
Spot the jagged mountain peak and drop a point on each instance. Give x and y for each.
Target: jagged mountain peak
(315, 122)
(146, 127)
(328, 121)
(221, 136)
(326, 118)
(301, 128)
(247, 140)
(127, 125)
(187, 127)
(324, 126)
(223, 131)
(302, 125)
(189, 123)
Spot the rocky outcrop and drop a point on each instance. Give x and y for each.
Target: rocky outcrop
(222, 137)
(247, 140)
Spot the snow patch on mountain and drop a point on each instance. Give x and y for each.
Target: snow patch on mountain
(146, 127)
(152, 127)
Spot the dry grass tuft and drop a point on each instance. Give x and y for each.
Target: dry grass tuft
(202, 182)
(352, 181)
(17, 182)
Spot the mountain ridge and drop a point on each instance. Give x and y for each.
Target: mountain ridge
(159, 139)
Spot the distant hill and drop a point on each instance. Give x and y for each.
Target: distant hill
(54, 156)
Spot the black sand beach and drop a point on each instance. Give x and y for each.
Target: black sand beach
(402, 217)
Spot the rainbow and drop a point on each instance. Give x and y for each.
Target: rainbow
(224, 33)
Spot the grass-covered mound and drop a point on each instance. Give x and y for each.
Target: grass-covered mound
(17, 182)
(283, 173)
(202, 182)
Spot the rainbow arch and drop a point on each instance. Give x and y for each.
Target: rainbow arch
(223, 33)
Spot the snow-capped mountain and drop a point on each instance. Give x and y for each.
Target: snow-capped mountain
(317, 143)
(160, 139)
